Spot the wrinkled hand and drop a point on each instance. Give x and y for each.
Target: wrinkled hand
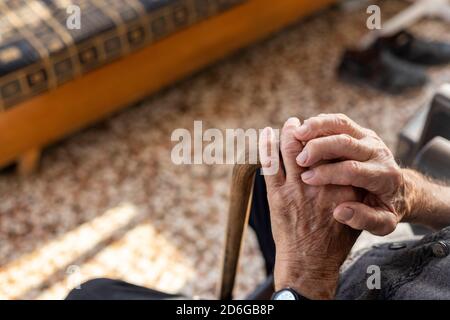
(363, 161)
(310, 244)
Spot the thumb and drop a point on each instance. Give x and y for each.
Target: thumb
(356, 215)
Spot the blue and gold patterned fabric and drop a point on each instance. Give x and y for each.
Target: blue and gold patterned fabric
(40, 49)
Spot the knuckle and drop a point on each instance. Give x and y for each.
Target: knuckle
(345, 123)
(278, 195)
(394, 175)
(370, 147)
(290, 147)
(383, 152)
(347, 140)
(353, 166)
(343, 120)
(342, 116)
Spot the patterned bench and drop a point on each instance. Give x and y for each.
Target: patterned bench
(38, 52)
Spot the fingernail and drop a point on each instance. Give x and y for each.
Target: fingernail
(346, 214)
(302, 130)
(307, 175)
(293, 121)
(302, 157)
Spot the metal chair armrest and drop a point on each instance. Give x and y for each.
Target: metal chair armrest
(434, 159)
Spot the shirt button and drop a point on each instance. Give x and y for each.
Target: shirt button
(397, 245)
(440, 249)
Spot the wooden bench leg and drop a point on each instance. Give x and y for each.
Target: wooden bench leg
(28, 161)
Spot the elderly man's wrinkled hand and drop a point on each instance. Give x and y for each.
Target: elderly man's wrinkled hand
(310, 244)
(340, 152)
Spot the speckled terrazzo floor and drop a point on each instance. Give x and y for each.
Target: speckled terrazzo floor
(107, 202)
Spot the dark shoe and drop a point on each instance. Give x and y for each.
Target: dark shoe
(406, 46)
(380, 69)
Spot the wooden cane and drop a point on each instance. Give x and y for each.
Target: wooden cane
(238, 214)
